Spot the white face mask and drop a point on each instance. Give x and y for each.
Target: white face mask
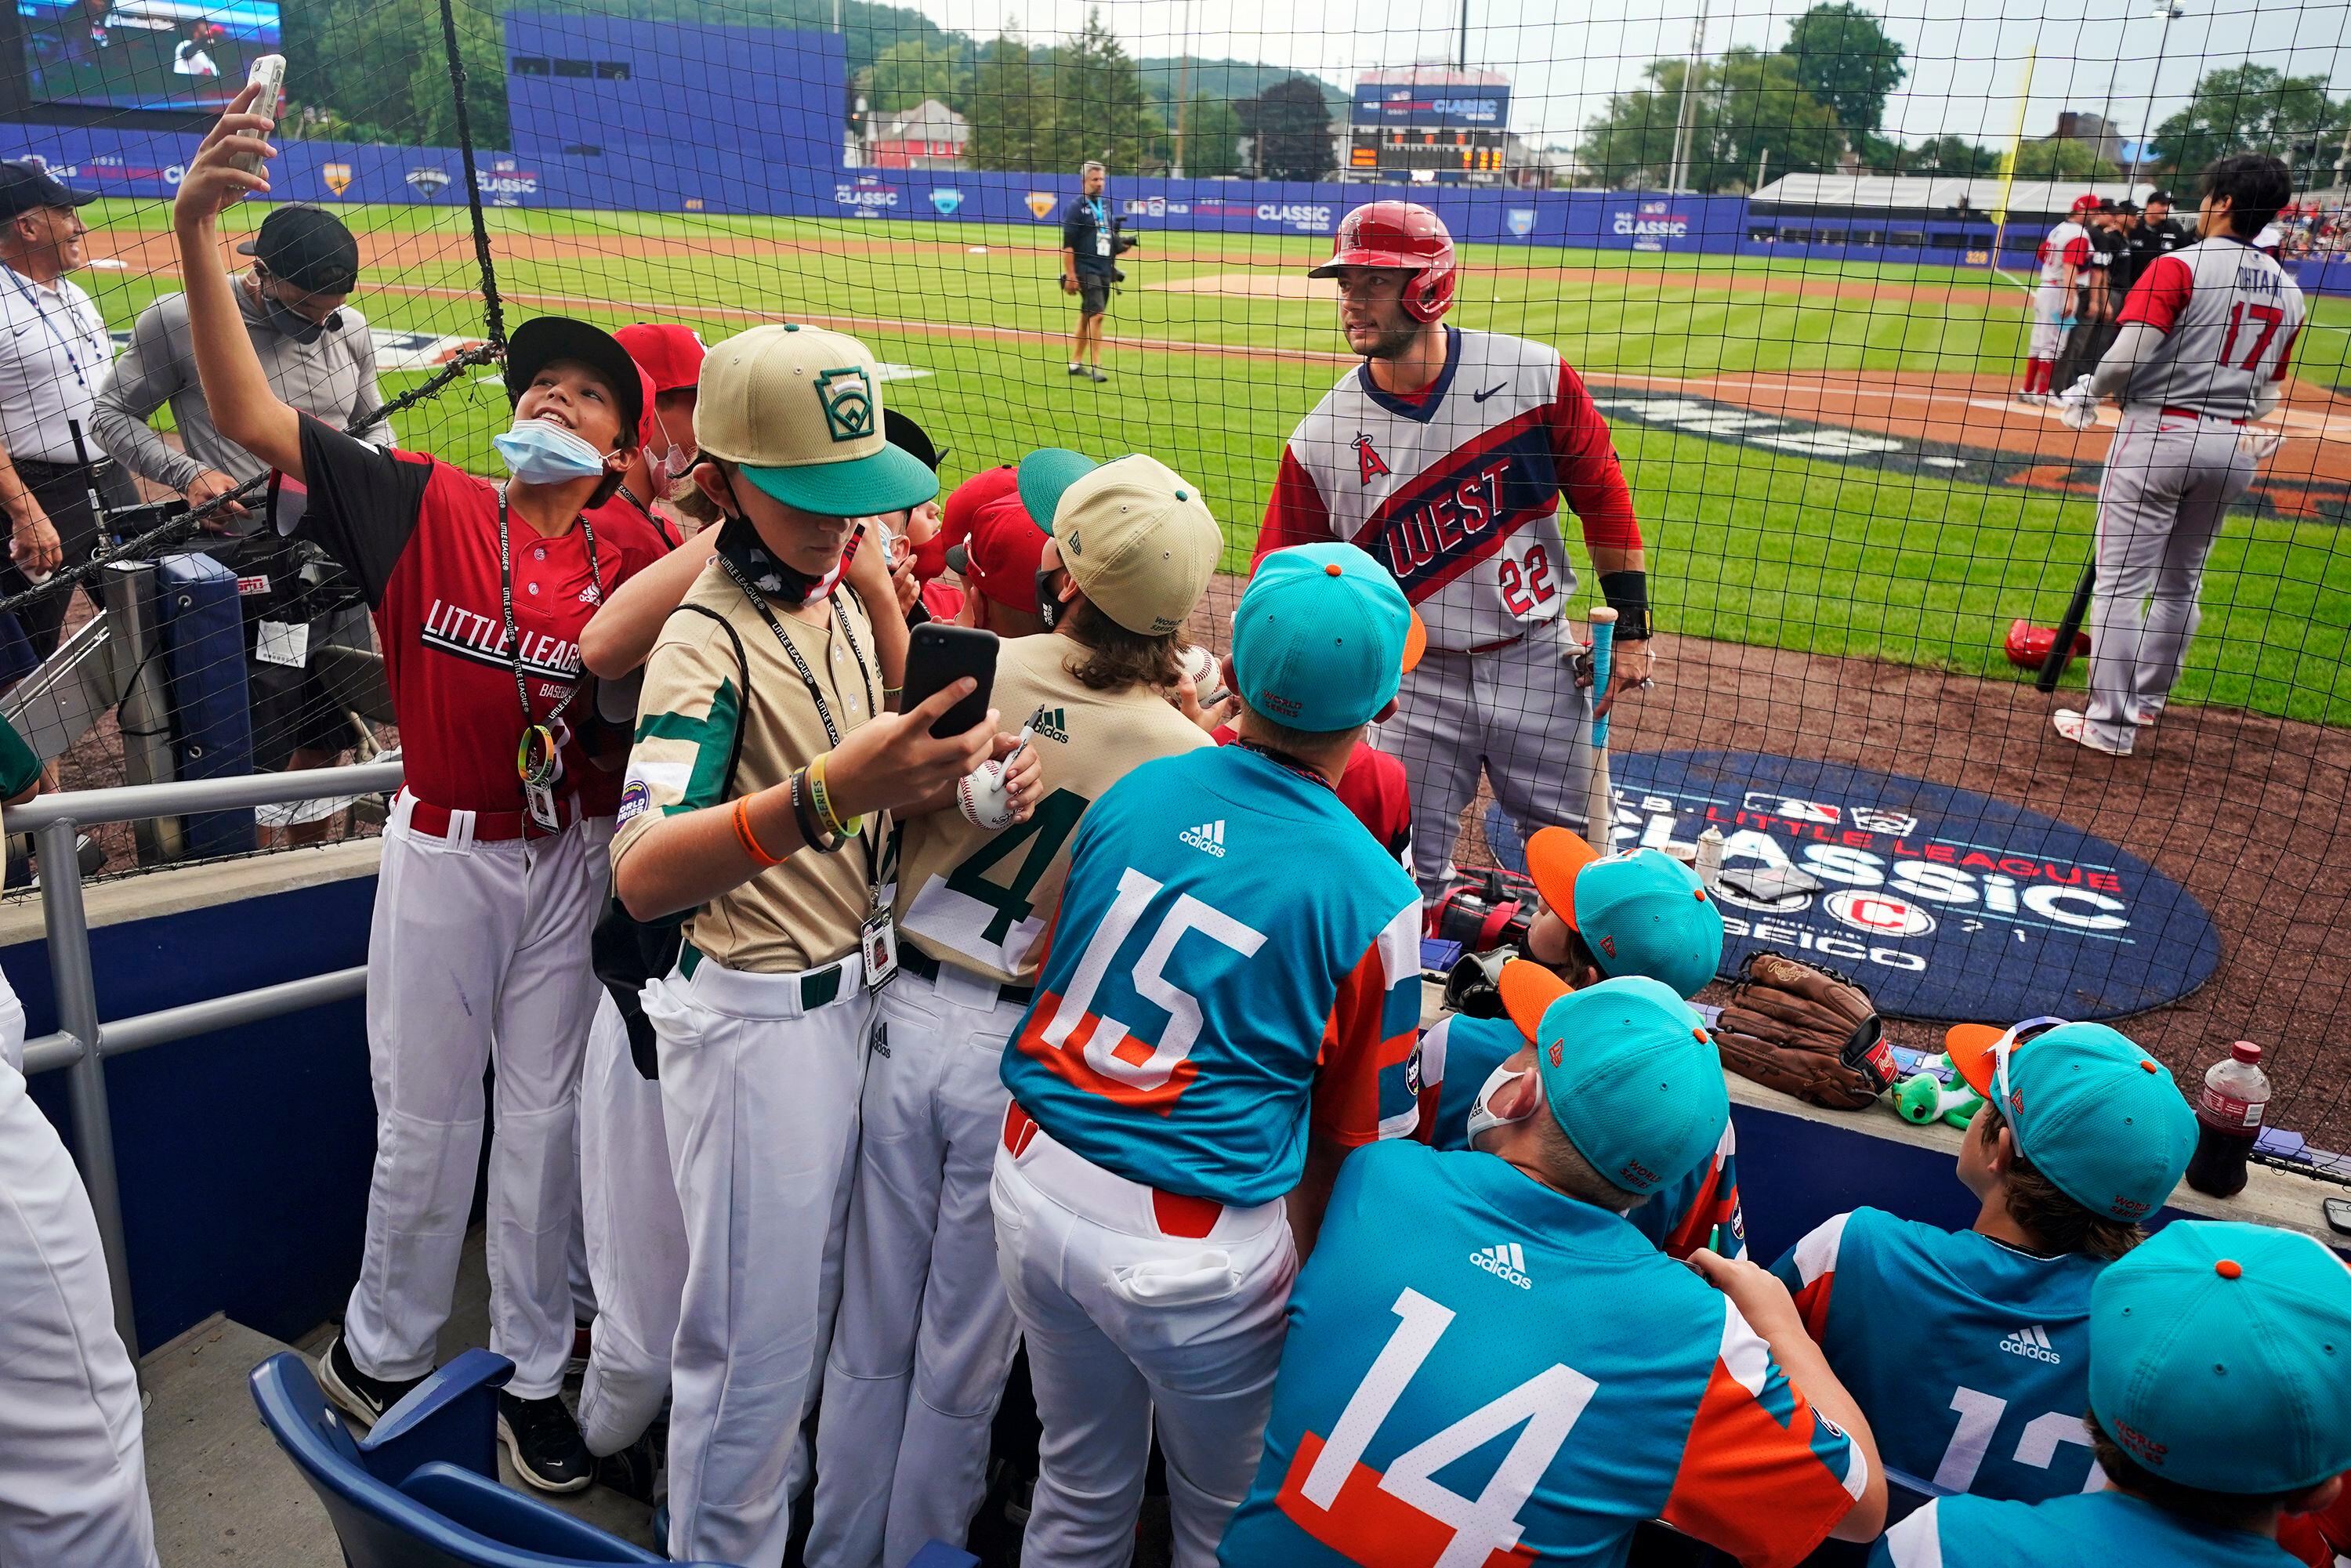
(1482, 1118)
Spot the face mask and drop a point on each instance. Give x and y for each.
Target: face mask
(678, 461)
(1049, 603)
(293, 323)
(1482, 1112)
(538, 452)
(739, 541)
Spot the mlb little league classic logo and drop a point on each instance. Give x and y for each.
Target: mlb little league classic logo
(847, 398)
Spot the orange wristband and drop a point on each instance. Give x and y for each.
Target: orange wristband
(749, 839)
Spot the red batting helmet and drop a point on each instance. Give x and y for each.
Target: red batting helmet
(2027, 645)
(1405, 236)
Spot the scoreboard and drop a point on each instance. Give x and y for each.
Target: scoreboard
(1453, 157)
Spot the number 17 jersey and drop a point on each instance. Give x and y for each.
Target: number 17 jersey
(1233, 954)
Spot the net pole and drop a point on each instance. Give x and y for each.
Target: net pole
(2008, 165)
(494, 319)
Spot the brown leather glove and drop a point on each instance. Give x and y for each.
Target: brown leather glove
(1805, 1030)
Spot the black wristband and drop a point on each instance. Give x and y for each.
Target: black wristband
(1627, 593)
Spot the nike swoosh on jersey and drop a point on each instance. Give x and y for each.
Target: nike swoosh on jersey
(1490, 391)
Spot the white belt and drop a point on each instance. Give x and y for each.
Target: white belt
(1130, 1207)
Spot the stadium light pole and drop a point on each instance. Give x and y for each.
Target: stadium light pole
(2170, 11)
(1685, 128)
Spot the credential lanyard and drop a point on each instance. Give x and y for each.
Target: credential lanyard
(537, 759)
(791, 650)
(33, 298)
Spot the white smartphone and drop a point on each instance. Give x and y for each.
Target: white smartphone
(269, 73)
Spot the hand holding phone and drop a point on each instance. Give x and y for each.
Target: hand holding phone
(938, 655)
(268, 73)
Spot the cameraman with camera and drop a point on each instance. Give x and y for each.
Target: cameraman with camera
(1090, 243)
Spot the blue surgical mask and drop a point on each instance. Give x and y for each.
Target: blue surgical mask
(538, 452)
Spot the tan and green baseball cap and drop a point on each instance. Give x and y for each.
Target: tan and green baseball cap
(1135, 533)
(799, 410)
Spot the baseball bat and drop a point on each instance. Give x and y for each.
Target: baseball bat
(1599, 799)
(2061, 652)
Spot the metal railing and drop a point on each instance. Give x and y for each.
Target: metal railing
(82, 1041)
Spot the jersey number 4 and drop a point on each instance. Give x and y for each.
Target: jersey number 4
(1122, 1066)
(1403, 1515)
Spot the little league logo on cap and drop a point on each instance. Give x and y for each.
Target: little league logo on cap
(799, 411)
(2221, 1357)
(2096, 1115)
(848, 398)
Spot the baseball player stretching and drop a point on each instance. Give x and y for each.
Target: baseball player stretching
(491, 878)
(924, 1335)
(1445, 456)
(1635, 914)
(1213, 1032)
(1983, 1391)
(2061, 256)
(1488, 1364)
(2204, 343)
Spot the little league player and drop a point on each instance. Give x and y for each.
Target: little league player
(760, 751)
(1445, 456)
(1641, 913)
(492, 872)
(1981, 1390)
(1214, 1028)
(924, 1335)
(1458, 1299)
(2062, 258)
(2204, 341)
(2218, 1405)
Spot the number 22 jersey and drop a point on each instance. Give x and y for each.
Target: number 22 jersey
(1482, 1372)
(1232, 953)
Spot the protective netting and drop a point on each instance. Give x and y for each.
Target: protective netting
(1793, 253)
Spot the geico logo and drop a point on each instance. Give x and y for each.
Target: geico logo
(1813, 942)
(1501, 1271)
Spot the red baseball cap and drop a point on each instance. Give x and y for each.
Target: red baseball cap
(2085, 203)
(670, 356)
(990, 537)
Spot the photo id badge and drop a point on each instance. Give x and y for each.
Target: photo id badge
(540, 800)
(879, 937)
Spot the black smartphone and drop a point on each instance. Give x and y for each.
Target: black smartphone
(2338, 1215)
(939, 656)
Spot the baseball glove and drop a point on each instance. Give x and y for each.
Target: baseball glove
(1805, 1030)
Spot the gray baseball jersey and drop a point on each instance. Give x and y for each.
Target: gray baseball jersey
(2229, 316)
(1456, 489)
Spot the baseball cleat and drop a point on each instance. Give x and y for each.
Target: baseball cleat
(2034, 397)
(2075, 728)
(545, 1443)
(1097, 375)
(365, 1398)
(1077, 370)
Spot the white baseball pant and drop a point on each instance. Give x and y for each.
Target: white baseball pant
(1129, 1328)
(759, 1094)
(636, 1239)
(1515, 710)
(73, 1475)
(2169, 482)
(2051, 306)
(923, 1339)
(478, 954)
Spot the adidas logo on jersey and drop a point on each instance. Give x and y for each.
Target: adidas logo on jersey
(1208, 837)
(1504, 1262)
(2034, 1343)
(1050, 724)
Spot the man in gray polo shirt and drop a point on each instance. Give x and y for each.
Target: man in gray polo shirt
(320, 358)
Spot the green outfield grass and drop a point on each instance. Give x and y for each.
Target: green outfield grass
(1774, 550)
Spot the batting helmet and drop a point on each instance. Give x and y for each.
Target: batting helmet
(2027, 645)
(1403, 236)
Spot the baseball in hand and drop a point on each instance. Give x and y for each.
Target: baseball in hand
(1208, 675)
(980, 796)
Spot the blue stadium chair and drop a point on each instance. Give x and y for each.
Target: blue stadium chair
(422, 1490)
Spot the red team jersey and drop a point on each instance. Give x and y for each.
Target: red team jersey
(2067, 244)
(1456, 489)
(421, 538)
(2229, 316)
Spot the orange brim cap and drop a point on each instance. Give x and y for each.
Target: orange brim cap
(1554, 856)
(1416, 642)
(1527, 990)
(1969, 1047)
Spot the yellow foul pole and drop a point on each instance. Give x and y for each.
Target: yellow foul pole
(2008, 164)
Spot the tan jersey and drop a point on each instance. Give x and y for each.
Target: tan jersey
(805, 913)
(981, 900)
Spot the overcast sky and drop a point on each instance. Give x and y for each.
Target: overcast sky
(1966, 57)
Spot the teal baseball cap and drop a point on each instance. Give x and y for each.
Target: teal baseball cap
(1323, 637)
(1634, 1080)
(2221, 1357)
(1640, 912)
(1043, 475)
(2098, 1116)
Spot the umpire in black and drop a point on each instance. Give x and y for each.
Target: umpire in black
(1087, 247)
(54, 356)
